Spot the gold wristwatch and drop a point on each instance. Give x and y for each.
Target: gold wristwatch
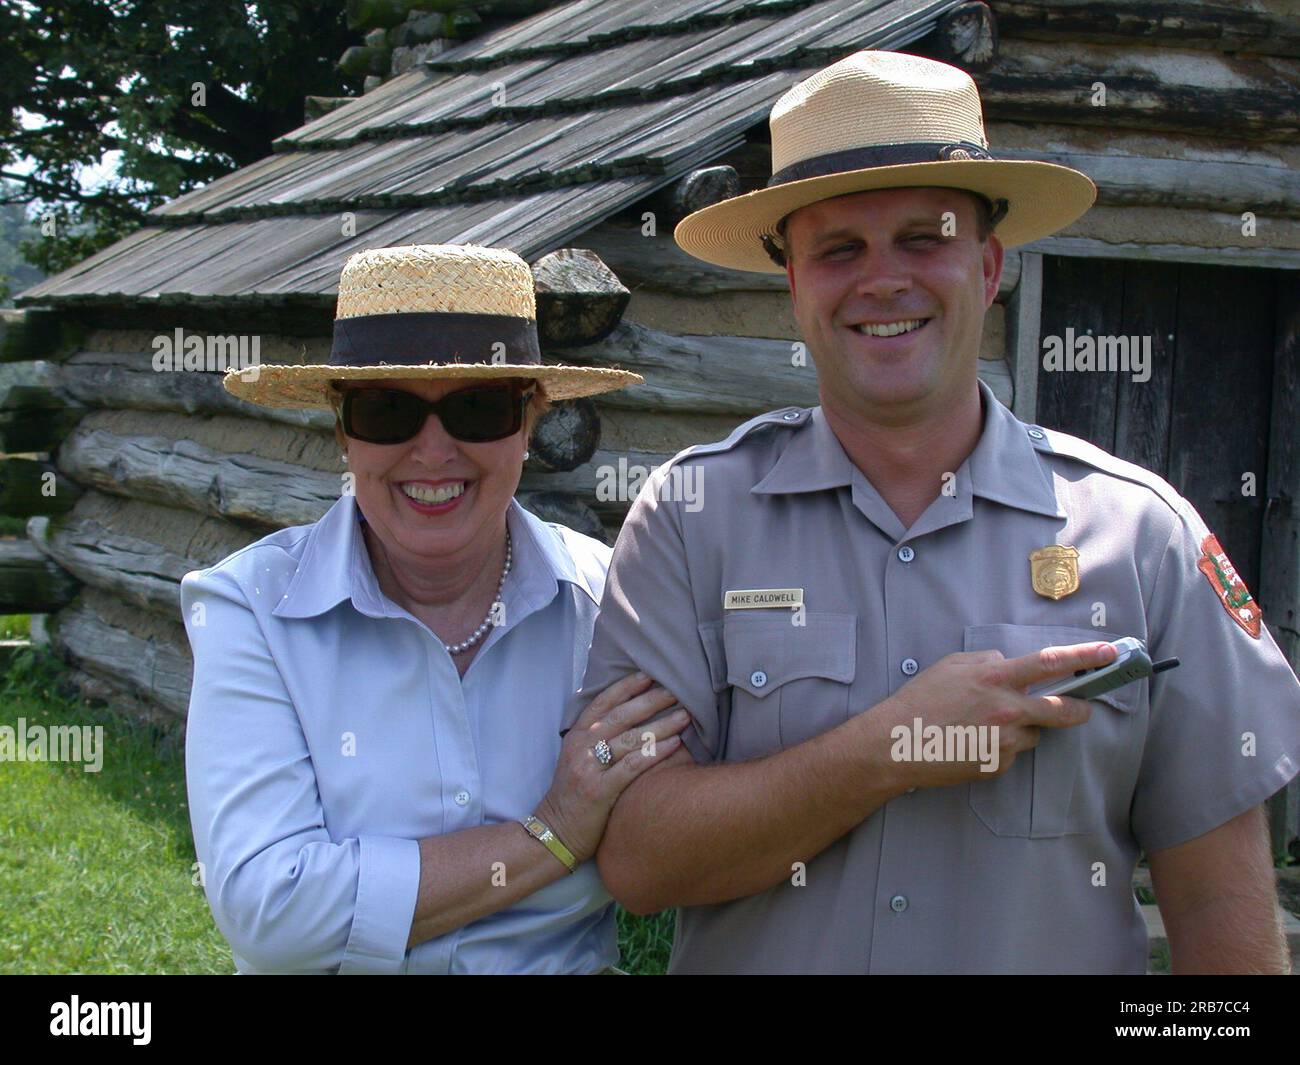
(540, 832)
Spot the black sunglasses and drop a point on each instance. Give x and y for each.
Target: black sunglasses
(475, 415)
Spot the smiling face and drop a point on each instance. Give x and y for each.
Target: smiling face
(891, 308)
(465, 488)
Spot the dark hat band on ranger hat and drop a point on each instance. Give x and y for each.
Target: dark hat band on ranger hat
(881, 120)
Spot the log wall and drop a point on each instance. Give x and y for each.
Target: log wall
(155, 474)
(132, 477)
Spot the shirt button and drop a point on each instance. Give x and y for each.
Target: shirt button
(790, 416)
(1036, 434)
(898, 903)
(758, 678)
(910, 666)
(462, 797)
(906, 554)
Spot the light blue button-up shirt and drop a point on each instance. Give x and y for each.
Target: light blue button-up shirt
(329, 732)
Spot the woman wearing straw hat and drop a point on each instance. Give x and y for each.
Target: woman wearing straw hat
(376, 775)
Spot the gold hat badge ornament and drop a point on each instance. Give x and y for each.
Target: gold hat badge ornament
(1055, 570)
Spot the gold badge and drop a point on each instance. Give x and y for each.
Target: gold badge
(1055, 571)
(763, 599)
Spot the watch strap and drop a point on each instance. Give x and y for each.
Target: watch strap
(540, 831)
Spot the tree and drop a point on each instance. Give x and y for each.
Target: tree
(175, 92)
(15, 230)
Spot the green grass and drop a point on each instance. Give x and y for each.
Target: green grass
(96, 868)
(15, 626)
(645, 942)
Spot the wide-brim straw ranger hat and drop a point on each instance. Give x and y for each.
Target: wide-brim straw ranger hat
(428, 311)
(882, 120)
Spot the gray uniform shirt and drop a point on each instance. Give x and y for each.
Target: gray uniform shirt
(1026, 872)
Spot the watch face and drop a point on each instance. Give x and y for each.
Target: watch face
(534, 826)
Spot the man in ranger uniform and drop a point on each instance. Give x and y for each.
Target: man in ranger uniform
(896, 559)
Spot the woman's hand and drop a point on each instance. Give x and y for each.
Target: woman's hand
(583, 791)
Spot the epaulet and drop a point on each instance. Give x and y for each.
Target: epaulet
(1054, 442)
(787, 417)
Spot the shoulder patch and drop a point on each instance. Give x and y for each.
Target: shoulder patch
(1228, 586)
(1053, 442)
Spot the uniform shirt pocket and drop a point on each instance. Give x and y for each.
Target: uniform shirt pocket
(789, 676)
(1040, 795)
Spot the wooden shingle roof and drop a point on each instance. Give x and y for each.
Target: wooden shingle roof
(522, 138)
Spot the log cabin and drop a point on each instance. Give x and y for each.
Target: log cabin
(577, 136)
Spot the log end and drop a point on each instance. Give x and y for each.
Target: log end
(37, 333)
(705, 187)
(967, 37)
(565, 436)
(580, 300)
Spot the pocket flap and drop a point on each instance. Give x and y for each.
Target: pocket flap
(767, 649)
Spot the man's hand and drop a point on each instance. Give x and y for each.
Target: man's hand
(737, 827)
(985, 690)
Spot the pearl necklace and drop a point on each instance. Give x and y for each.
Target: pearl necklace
(481, 631)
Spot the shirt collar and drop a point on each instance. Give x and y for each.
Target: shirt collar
(1004, 467)
(813, 460)
(335, 564)
(540, 551)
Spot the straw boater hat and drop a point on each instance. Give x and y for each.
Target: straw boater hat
(428, 311)
(882, 120)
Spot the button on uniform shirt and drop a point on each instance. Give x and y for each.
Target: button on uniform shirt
(329, 732)
(1026, 872)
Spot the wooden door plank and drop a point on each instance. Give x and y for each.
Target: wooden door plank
(1279, 579)
(1142, 407)
(1079, 296)
(1219, 426)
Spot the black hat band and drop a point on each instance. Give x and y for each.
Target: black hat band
(434, 338)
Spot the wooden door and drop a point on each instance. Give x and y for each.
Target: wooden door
(1218, 417)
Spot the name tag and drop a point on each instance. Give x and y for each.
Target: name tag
(762, 599)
